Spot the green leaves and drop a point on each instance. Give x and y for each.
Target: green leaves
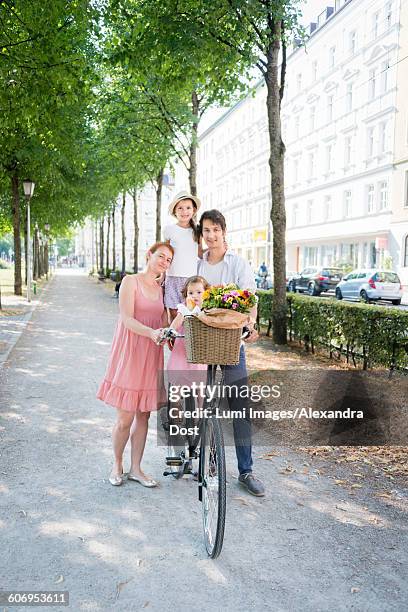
(373, 334)
(47, 102)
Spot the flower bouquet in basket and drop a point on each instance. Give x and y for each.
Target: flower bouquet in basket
(213, 336)
(226, 306)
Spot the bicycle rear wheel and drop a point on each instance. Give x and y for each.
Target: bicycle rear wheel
(212, 483)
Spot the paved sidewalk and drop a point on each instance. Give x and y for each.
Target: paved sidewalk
(18, 314)
(306, 546)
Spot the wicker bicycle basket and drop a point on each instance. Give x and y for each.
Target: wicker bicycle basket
(211, 345)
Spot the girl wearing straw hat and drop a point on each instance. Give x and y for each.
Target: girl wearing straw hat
(184, 239)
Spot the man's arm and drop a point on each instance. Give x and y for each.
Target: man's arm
(246, 280)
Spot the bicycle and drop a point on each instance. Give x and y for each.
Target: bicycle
(203, 440)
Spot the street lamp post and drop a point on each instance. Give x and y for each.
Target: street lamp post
(28, 192)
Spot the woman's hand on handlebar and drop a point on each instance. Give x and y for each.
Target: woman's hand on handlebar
(155, 335)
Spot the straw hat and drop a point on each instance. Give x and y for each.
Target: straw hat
(183, 195)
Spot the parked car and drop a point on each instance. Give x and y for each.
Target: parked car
(370, 285)
(315, 280)
(289, 277)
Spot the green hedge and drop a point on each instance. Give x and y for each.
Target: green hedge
(372, 335)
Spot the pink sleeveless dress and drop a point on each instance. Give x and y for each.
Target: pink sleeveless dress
(134, 375)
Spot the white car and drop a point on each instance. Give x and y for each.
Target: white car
(370, 285)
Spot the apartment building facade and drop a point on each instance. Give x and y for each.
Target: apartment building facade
(344, 118)
(399, 220)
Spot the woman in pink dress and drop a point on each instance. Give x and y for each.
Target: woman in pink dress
(131, 382)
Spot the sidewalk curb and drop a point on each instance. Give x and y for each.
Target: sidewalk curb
(26, 318)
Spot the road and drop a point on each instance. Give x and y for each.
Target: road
(306, 546)
(402, 306)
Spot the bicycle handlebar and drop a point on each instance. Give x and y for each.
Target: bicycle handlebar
(168, 333)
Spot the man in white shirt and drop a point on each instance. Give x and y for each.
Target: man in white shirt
(221, 266)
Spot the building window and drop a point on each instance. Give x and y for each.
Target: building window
(406, 252)
(349, 97)
(370, 199)
(295, 170)
(384, 76)
(314, 71)
(382, 139)
(383, 195)
(332, 56)
(388, 14)
(295, 215)
(352, 42)
(376, 20)
(310, 212)
(406, 190)
(297, 126)
(311, 164)
(370, 142)
(329, 108)
(312, 118)
(347, 204)
(310, 256)
(372, 83)
(329, 158)
(347, 150)
(328, 207)
(250, 181)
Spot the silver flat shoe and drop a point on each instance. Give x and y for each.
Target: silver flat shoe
(117, 480)
(150, 483)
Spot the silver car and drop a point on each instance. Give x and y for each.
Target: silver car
(370, 285)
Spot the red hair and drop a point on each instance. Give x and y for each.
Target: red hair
(157, 245)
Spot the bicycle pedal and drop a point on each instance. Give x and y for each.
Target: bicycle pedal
(174, 461)
(167, 473)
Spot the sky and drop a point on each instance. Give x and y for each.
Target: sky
(312, 8)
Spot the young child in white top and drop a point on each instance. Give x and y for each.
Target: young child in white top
(184, 239)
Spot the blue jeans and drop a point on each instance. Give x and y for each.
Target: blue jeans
(237, 375)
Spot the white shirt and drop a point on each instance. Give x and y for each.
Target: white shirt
(213, 272)
(185, 250)
(232, 269)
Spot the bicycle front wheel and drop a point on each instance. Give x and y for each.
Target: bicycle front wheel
(213, 485)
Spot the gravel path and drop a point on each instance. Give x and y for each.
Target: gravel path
(308, 545)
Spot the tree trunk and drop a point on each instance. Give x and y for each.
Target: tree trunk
(95, 229)
(33, 258)
(192, 173)
(46, 258)
(41, 266)
(159, 182)
(113, 240)
(107, 244)
(136, 231)
(16, 235)
(101, 245)
(276, 163)
(122, 214)
(36, 255)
